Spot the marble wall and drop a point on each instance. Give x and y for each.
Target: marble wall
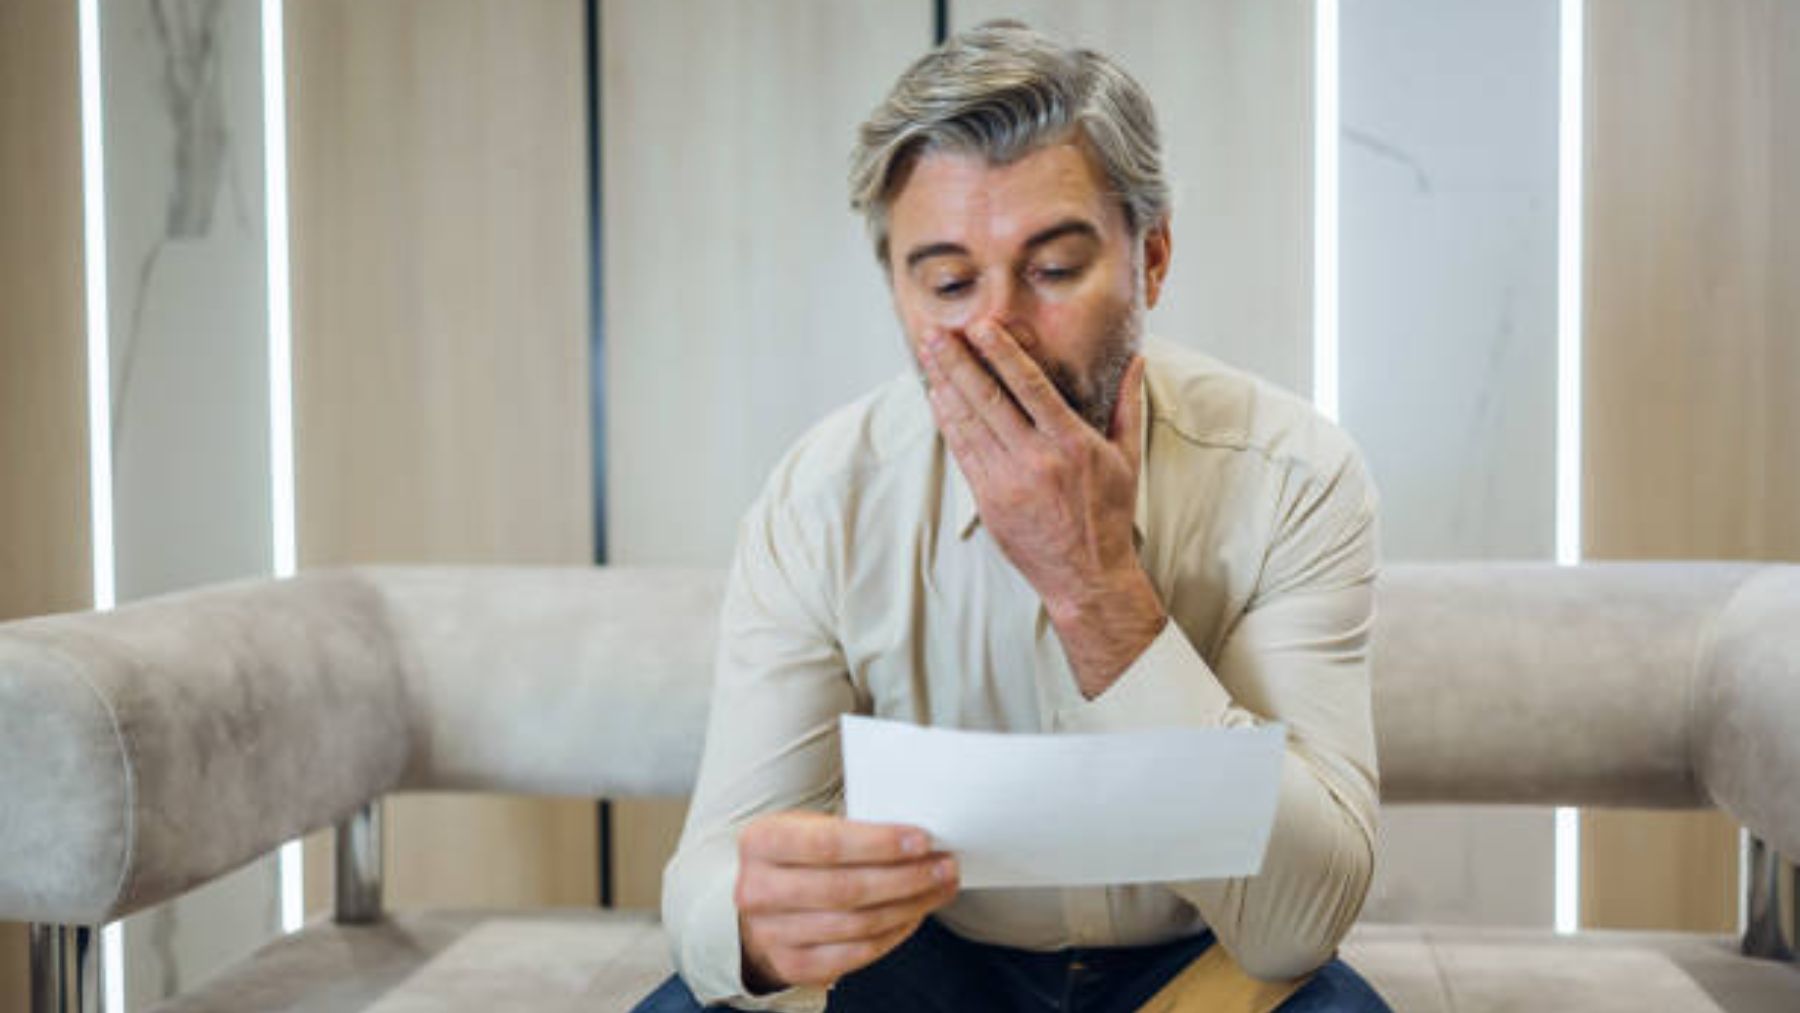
(1448, 217)
(182, 93)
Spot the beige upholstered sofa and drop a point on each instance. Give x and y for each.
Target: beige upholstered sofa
(153, 748)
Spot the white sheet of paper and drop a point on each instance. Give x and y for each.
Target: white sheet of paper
(1072, 810)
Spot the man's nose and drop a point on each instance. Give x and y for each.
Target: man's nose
(1009, 304)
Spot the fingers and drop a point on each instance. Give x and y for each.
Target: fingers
(968, 394)
(824, 964)
(778, 888)
(1126, 430)
(806, 838)
(816, 928)
(1025, 379)
(819, 896)
(968, 438)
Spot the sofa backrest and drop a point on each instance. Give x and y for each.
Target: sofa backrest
(161, 744)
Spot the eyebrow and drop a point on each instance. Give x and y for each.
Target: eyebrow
(1067, 227)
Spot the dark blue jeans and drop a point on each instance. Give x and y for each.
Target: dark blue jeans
(937, 971)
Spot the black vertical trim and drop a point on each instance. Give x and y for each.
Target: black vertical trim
(606, 852)
(940, 21)
(597, 365)
(596, 278)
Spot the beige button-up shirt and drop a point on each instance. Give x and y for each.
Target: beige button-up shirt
(864, 582)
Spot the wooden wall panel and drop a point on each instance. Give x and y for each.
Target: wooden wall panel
(1232, 81)
(645, 832)
(441, 325)
(45, 560)
(1692, 364)
(743, 301)
(45, 547)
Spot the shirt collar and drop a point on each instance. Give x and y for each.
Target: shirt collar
(962, 499)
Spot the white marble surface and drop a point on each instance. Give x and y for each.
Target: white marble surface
(183, 103)
(1448, 359)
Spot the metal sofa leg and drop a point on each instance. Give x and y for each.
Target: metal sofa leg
(359, 867)
(65, 969)
(1772, 928)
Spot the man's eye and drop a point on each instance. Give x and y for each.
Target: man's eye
(1057, 274)
(950, 289)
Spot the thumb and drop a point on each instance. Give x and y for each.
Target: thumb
(1126, 431)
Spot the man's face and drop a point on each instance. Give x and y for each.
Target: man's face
(1037, 246)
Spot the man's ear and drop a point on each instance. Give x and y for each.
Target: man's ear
(1159, 248)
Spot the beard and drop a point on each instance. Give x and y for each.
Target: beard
(1094, 393)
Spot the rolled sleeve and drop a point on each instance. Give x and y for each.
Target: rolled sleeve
(1168, 684)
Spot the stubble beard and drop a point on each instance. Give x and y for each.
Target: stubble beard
(1095, 397)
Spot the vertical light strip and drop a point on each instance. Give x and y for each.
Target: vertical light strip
(1569, 208)
(1569, 288)
(1568, 870)
(93, 208)
(290, 861)
(99, 366)
(1743, 894)
(1325, 208)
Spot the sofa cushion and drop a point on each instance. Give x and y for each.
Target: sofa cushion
(596, 962)
(1486, 970)
(452, 960)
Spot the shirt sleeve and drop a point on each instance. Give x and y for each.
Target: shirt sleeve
(771, 745)
(1298, 654)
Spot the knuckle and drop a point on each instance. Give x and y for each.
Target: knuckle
(750, 839)
(816, 967)
(822, 844)
(788, 966)
(766, 835)
(1008, 498)
(928, 875)
(844, 891)
(855, 924)
(1043, 467)
(749, 894)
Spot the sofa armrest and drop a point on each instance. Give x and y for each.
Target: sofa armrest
(154, 747)
(1747, 708)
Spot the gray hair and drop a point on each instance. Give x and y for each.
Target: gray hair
(1002, 90)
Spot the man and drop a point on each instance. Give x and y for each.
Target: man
(1053, 527)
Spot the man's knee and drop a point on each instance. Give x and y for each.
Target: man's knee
(1336, 988)
(672, 996)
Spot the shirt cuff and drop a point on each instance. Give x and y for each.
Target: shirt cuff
(1169, 685)
(720, 970)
